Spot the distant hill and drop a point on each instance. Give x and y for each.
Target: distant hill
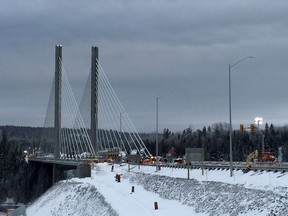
(33, 134)
(22, 134)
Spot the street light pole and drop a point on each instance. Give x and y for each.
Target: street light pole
(157, 144)
(120, 129)
(230, 124)
(157, 168)
(258, 121)
(230, 114)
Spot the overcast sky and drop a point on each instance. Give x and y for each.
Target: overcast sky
(148, 48)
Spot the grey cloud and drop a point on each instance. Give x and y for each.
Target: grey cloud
(148, 48)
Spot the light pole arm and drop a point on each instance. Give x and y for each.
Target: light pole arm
(164, 95)
(230, 66)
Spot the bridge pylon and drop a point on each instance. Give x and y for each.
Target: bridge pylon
(57, 110)
(94, 99)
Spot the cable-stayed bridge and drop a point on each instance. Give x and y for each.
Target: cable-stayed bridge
(99, 124)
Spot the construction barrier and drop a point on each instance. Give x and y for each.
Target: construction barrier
(117, 178)
(155, 205)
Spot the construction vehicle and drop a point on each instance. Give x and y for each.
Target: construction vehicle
(252, 157)
(151, 160)
(267, 157)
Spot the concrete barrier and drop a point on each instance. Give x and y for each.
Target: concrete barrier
(21, 211)
(83, 170)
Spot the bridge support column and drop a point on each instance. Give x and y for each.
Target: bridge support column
(94, 98)
(59, 172)
(54, 177)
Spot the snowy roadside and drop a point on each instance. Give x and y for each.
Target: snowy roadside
(252, 180)
(213, 193)
(138, 203)
(71, 198)
(102, 195)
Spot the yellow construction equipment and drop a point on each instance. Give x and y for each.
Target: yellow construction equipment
(253, 155)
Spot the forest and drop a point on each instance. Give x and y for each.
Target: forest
(24, 183)
(215, 141)
(19, 180)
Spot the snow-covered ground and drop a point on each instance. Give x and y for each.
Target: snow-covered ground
(214, 193)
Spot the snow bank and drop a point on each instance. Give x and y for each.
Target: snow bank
(214, 198)
(214, 193)
(67, 198)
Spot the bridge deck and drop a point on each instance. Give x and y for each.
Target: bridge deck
(65, 162)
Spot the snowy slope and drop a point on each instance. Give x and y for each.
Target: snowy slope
(71, 198)
(214, 193)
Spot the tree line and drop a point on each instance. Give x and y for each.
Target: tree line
(19, 180)
(215, 140)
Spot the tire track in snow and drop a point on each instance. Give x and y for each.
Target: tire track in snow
(115, 193)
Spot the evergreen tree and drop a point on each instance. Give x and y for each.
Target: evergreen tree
(189, 136)
(267, 137)
(204, 131)
(4, 149)
(209, 129)
(166, 133)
